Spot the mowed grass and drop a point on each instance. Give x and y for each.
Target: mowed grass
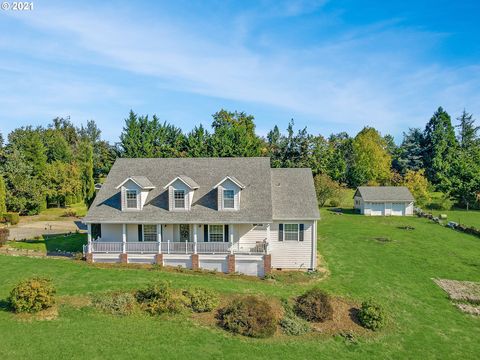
(53, 214)
(68, 243)
(396, 271)
(469, 218)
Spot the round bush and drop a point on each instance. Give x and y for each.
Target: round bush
(372, 315)
(159, 298)
(117, 303)
(314, 305)
(201, 300)
(249, 316)
(32, 295)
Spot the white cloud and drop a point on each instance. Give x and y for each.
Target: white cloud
(367, 76)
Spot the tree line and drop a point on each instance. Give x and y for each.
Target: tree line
(58, 164)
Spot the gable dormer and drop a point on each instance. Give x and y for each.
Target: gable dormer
(180, 193)
(133, 192)
(228, 194)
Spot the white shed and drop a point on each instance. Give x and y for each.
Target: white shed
(383, 201)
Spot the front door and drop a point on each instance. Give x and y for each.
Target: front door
(184, 232)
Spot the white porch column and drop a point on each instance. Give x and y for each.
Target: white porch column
(231, 238)
(195, 238)
(89, 237)
(159, 238)
(268, 238)
(124, 238)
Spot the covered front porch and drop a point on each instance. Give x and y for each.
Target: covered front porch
(222, 247)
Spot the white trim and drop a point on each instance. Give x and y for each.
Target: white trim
(140, 186)
(136, 199)
(298, 231)
(184, 200)
(179, 178)
(223, 232)
(236, 182)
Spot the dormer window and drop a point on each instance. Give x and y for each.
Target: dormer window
(229, 199)
(179, 199)
(132, 202)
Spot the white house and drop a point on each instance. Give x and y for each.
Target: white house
(228, 214)
(383, 201)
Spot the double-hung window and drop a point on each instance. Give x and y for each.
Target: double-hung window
(215, 233)
(291, 232)
(179, 199)
(228, 199)
(149, 232)
(132, 202)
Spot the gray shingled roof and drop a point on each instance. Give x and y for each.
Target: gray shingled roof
(293, 195)
(141, 181)
(294, 199)
(384, 193)
(189, 181)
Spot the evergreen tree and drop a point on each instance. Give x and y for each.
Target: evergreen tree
(3, 205)
(440, 146)
(340, 156)
(198, 142)
(410, 153)
(29, 142)
(57, 148)
(468, 132)
(85, 166)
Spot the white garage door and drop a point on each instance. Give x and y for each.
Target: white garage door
(377, 209)
(398, 209)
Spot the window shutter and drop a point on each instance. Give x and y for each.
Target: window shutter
(205, 233)
(225, 237)
(140, 233)
(280, 232)
(302, 228)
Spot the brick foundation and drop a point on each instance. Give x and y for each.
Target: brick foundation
(89, 258)
(195, 262)
(230, 264)
(159, 259)
(267, 264)
(124, 258)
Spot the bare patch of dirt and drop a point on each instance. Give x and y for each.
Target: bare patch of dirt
(44, 315)
(464, 294)
(75, 301)
(460, 290)
(344, 319)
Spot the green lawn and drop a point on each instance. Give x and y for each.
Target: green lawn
(423, 322)
(69, 243)
(52, 214)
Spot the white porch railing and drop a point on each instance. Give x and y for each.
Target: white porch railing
(106, 247)
(170, 247)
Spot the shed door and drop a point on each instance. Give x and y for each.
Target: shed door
(377, 209)
(398, 209)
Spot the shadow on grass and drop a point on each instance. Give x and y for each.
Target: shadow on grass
(353, 313)
(347, 211)
(4, 305)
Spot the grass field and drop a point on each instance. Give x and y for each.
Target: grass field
(69, 243)
(396, 272)
(53, 214)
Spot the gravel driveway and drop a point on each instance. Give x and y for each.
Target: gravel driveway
(28, 230)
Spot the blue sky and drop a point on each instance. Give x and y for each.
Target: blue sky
(330, 65)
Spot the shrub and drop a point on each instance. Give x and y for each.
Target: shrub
(249, 316)
(69, 213)
(291, 324)
(12, 218)
(4, 233)
(159, 298)
(32, 295)
(314, 305)
(202, 300)
(117, 303)
(334, 202)
(371, 315)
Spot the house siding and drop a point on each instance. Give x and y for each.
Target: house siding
(293, 254)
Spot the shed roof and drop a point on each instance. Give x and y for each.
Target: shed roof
(384, 193)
